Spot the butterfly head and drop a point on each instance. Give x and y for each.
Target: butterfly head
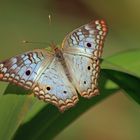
(53, 46)
(56, 50)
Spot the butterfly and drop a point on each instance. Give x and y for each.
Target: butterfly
(58, 76)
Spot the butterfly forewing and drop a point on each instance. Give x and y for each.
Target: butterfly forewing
(82, 51)
(24, 69)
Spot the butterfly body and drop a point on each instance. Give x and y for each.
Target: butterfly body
(58, 76)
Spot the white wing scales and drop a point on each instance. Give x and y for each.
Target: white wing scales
(84, 71)
(22, 70)
(54, 86)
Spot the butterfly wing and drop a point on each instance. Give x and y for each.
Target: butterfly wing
(54, 86)
(24, 69)
(40, 72)
(82, 50)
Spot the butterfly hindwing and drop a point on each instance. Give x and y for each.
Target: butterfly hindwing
(54, 86)
(82, 51)
(85, 74)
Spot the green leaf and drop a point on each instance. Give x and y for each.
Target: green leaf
(128, 61)
(129, 83)
(14, 89)
(12, 111)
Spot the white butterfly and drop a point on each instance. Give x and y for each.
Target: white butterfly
(57, 77)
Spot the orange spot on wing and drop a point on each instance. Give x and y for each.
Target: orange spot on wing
(1, 76)
(104, 27)
(102, 22)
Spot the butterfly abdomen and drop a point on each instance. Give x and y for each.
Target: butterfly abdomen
(61, 59)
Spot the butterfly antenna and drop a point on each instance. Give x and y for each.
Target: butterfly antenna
(40, 43)
(52, 44)
(35, 42)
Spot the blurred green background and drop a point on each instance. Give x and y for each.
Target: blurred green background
(115, 118)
